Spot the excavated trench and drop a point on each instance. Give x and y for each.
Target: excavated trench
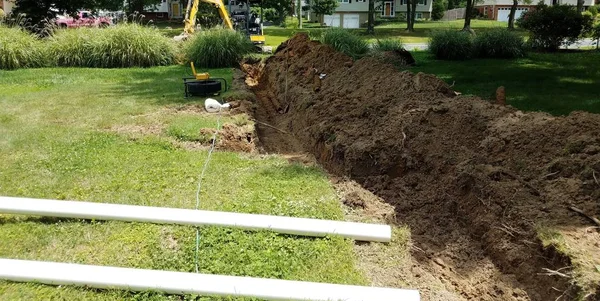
(475, 182)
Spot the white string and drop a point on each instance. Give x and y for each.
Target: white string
(210, 151)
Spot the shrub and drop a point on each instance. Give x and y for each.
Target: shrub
(451, 45)
(19, 49)
(346, 42)
(552, 26)
(438, 10)
(217, 48)
(593, 10)
(499, 43)
(388, 45)
(120, 46)
(596, 35)
(269, 14)
(587, 24)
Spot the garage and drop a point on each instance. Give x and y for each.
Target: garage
(504, 13)
(332, 20)
(351, 21)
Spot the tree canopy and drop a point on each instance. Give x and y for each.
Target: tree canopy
(323, 7)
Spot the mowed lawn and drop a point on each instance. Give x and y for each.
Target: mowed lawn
(558, 83)
(276, 35)
(111, 135)
(396, 30)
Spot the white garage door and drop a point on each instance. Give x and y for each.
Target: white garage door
(332, 20)
(504, 12)
(351, 21)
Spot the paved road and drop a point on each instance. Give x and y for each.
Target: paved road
(584, 43)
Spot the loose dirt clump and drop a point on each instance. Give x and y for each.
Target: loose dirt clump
(476, 183)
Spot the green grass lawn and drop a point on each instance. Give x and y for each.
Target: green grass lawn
(275, 35)
(110, 135)
(558, 83)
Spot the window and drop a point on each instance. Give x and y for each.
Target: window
(403, 2)
(419, 16)
(361, 0)
(344, 1)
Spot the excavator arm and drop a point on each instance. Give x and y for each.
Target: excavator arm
(192, 10)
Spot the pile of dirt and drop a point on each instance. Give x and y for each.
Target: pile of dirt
(478, 184)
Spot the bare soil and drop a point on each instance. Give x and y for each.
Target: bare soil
(474, 182)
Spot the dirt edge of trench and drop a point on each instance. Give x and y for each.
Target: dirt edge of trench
(475, 182)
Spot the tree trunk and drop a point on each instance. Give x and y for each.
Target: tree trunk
(371, 18)
(468, 13)
(511, 16)
(580, 5)
(282, 16)
(413, 16)
(409, 27)
(299, 14)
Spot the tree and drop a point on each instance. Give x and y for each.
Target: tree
(371, 18)
(411, 14)
(323, 7)
(468, 15)
(139, 5)
(409, 26)
(513, 11)
(580, 5)
(299, 12)
(38, 12)
(438, 9)
(283, 8)
(553, 26)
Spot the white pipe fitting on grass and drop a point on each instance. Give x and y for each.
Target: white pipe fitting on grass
(188, 283)
(163, 215)
(213, 106)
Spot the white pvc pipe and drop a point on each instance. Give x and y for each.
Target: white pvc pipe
(189, 283)
(162, 215)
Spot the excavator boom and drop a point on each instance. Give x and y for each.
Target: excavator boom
(192, 10)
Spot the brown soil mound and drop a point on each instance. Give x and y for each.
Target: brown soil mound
(475, 182)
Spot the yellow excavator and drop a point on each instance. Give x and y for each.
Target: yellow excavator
(246, 22)
(249, 24)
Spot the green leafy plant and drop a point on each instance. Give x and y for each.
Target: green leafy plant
(451, 45)
(552, 26)
(346, 42)
(499, 43)
(596, 35)
(217, 48)
(593, 10)
(20, 49)
(124, 45)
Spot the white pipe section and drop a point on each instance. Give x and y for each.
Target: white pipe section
(162, 215)
(189, 283)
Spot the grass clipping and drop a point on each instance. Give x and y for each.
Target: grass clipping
(121, 46)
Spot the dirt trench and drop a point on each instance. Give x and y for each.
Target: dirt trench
(477, 183)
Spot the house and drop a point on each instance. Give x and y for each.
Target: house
(7, 5)
(353, 13)
(166, 9)
(499, 10)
